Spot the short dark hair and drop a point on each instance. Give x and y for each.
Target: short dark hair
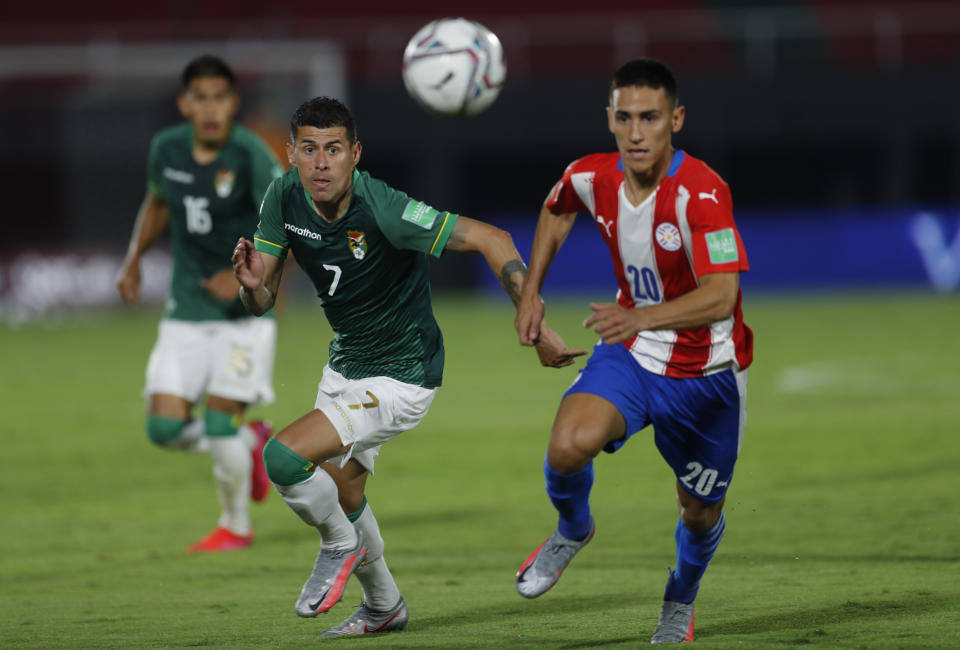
(323, 113)
(206, 66)
(646, 72)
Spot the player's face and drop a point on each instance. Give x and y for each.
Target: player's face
(642, 121)
(209, 103)
(325, 160)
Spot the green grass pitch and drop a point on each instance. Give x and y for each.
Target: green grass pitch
(843, 529)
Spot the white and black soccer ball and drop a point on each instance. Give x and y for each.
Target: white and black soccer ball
(454, 66)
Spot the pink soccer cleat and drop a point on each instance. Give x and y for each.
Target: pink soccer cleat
(259, 481)
(221, 539)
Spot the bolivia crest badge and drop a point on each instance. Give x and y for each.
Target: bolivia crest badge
(224, 182)
(358, 243)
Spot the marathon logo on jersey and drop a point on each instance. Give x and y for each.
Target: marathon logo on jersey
(358, 243)
(303, 232)
(224, 182)
(177, 176)
(668, 236)
(421, 214)
(722, 246)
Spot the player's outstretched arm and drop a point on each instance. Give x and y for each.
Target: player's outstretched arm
(552, 231)
(259, 276)
(222, 285)
(497, 248)
(152, 220)
(714, 300)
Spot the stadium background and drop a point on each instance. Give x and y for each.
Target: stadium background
(834, 123)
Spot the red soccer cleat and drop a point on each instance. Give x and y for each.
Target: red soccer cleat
(221, 539)
(259, 481)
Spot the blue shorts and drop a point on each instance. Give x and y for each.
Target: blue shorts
(697, 423)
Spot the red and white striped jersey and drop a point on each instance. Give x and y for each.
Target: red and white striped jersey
(683, 230)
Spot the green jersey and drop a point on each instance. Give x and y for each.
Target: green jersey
(211, 207)
(371, 270)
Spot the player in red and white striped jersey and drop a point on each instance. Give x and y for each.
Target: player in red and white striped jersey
(681, 231)
(674, 348)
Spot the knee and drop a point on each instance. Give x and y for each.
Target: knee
(285, 466)
(699, 519)
(567, 452)
(163, 431)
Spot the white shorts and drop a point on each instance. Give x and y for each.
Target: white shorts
(368, 412)
(229, 359)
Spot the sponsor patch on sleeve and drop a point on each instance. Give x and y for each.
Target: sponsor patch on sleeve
(421, 214)
(722, 246)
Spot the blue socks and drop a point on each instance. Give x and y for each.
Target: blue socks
(693, 555)
(570, 495)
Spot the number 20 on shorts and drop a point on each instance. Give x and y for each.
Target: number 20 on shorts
(705, 478)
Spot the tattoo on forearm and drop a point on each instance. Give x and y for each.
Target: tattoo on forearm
(253, 304)
(513, 286)
(245, 298)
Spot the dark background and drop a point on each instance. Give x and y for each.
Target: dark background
(810, 105)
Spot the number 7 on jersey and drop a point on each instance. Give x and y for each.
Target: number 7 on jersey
(336, 277)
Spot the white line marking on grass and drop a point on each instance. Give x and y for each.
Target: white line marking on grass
(831, 375)
(871, 375)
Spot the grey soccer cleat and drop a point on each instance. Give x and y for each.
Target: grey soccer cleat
(675, 624)
(330, 573)
(543, 567)
(367, 621)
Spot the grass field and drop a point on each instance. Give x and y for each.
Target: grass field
(843, 529)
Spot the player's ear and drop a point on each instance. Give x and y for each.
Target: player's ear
(357, 149)
(678, 114)
(234, 103)
(610, 119)
(289, 148)
(183, 106)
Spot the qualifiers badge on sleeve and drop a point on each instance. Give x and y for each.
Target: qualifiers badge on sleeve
(722, 246)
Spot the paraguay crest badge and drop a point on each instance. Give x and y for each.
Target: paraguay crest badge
(224, 182)
(358, 243)
(668, 236)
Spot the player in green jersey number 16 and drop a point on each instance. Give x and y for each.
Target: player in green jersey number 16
(366, 247)
(206, 178)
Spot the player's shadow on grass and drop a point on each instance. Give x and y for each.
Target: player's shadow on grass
(808, 622)
(558, 605)
(812, 619)
(530, 616)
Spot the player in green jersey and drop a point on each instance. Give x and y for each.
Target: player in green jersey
(367, 249)
(206, 178)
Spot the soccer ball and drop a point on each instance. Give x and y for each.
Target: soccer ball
(454, 66)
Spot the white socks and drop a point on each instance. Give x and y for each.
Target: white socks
(379, 589)
(316, 501)
(232, 465)
(191, 437)
(231, 469)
